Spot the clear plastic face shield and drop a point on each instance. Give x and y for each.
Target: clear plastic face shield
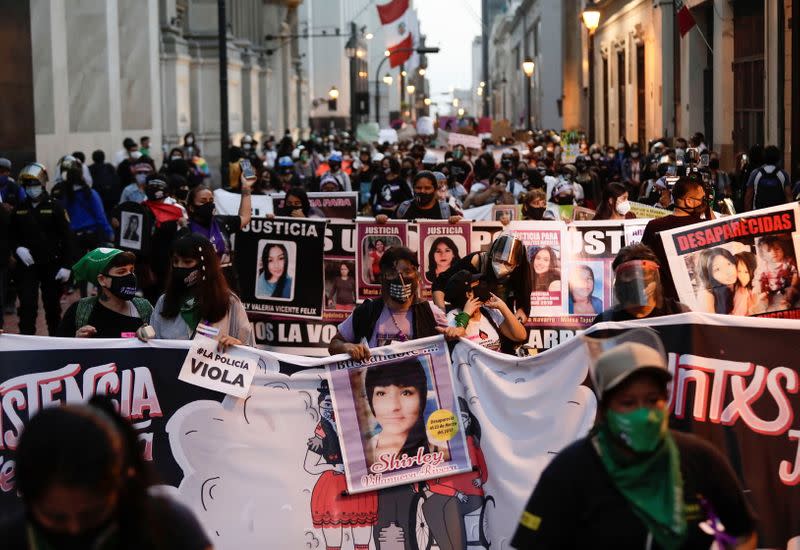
(504, 255)
(637, 283)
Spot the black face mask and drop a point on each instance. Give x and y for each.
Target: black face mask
(534, 212)
(334, 166)
(569, 199)
(203, 213)
(124, 286)
(81, 541)
(182, 193)
(154, 193)
(185, 277)
(424, 198)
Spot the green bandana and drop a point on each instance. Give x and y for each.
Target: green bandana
(93, 264)
(190, 312)
(652, 484)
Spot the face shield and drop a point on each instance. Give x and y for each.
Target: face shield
(637, 283)
(505, 254)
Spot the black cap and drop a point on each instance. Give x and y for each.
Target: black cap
(458, 285)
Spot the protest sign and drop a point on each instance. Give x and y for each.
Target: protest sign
(266, 471)
(343, 205)
(397, 416)
(441, 245)
(228, 372)
(227, 204)
(508, 211)
(268, 254)
(646, 211)
(471, 142)
(544, 243)
(739, 265)
(372, 241)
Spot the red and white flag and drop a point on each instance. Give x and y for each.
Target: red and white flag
(401, 34)
(392, 11)
(685, 18)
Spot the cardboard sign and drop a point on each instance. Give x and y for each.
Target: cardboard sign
(470, 142)
(230, 372)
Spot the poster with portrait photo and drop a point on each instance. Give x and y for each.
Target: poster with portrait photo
(508, 212)
(545, 243)
(131, 230)
(744, 264)
(372, 240)
(340, 284)
(280, 266)
(441, 246)
(585, 288)
(398, 416)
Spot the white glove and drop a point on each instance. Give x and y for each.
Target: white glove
(25, 255)
(63, 275)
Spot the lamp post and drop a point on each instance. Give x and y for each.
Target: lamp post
(591, 20)
(528, 67)
(387, 79)
(411, 99)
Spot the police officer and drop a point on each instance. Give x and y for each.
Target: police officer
(44, 247)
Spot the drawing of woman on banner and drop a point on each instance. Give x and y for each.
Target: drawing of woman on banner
(332, 510)
(449, 500)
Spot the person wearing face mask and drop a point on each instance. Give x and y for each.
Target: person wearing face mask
(615, 204)
(197, 293)
(720, 180)
(484, 316)
(190, 148)
(458, 167)
(534, 204)
(496, 190)
(45, 249)
(689, 197)
(505, 269)
(632, 482)
(389, 189)
(398, 315)
(425, 204)
(11, 193)
(297, 205)
(106, 180)
(218, 229)
(287, 178)
(638, 287)
(335, 171)
(364, 171)
(267, 182)
(632, 168)
(116, 311)
(134, 191)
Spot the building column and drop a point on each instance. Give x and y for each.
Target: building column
(666, 7)
(773, 56)
(693, 62)
(723, 83)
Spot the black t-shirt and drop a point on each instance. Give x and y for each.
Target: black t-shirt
(109, 324)
(652, 239)
(177, 528)
(576, 505)
(386, 195)
(669, 307)
(414, 212)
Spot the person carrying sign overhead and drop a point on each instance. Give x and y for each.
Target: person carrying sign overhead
(398, 315)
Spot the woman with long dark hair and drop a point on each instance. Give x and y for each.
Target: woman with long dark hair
(545, 271)
(615, 204)
(84, 484)
(442, 254)
(273, 277)
(197, 293)
(716, 268)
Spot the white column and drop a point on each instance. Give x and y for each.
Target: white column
(723, 82)
(772, 124)
(666, 7)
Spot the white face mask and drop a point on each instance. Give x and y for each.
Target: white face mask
(34, 191)
(623, 207)
(141, 179)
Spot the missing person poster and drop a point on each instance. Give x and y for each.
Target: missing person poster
(441, 245)
(372, 240)
(398, 417)
(544, 243)
(740, 265)
(273, 277)
(333, 205)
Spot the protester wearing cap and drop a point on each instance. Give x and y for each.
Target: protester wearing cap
(286, 174)
(134, 191)
(116, 311)
(425, 204)
(638, 290)
(11, 194)
(335, 170)
(483, 315)
(45, 249)
(633, 482)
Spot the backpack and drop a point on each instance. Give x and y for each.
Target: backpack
(444, 209)
(86, 305)
(366, 315)
(768, 188)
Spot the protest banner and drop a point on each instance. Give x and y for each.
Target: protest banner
(385, 444)
(342, 205)
(372, 240)
(470, 142)
(268, 260)
(227, 204)
(646, 211)
(579, 214)
(441, 245)
(545, 244)
(228, 372)
(739, 265)
(262, 472)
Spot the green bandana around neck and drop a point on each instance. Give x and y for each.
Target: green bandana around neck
(651, 483)
(190, 312)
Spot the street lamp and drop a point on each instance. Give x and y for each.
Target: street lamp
(333, 93)
(411, 89)
(461, 111)
(528, 67)
(421, 71)
(369, 36)
(455, 102)
(427, 101)
(387, 79)
(591, 20)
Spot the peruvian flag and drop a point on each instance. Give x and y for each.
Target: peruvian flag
(392, 11)
(685, 18)
(400, 34)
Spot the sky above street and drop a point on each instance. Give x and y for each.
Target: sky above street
(451, 25)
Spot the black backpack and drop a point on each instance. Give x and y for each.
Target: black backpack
(768, 188)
